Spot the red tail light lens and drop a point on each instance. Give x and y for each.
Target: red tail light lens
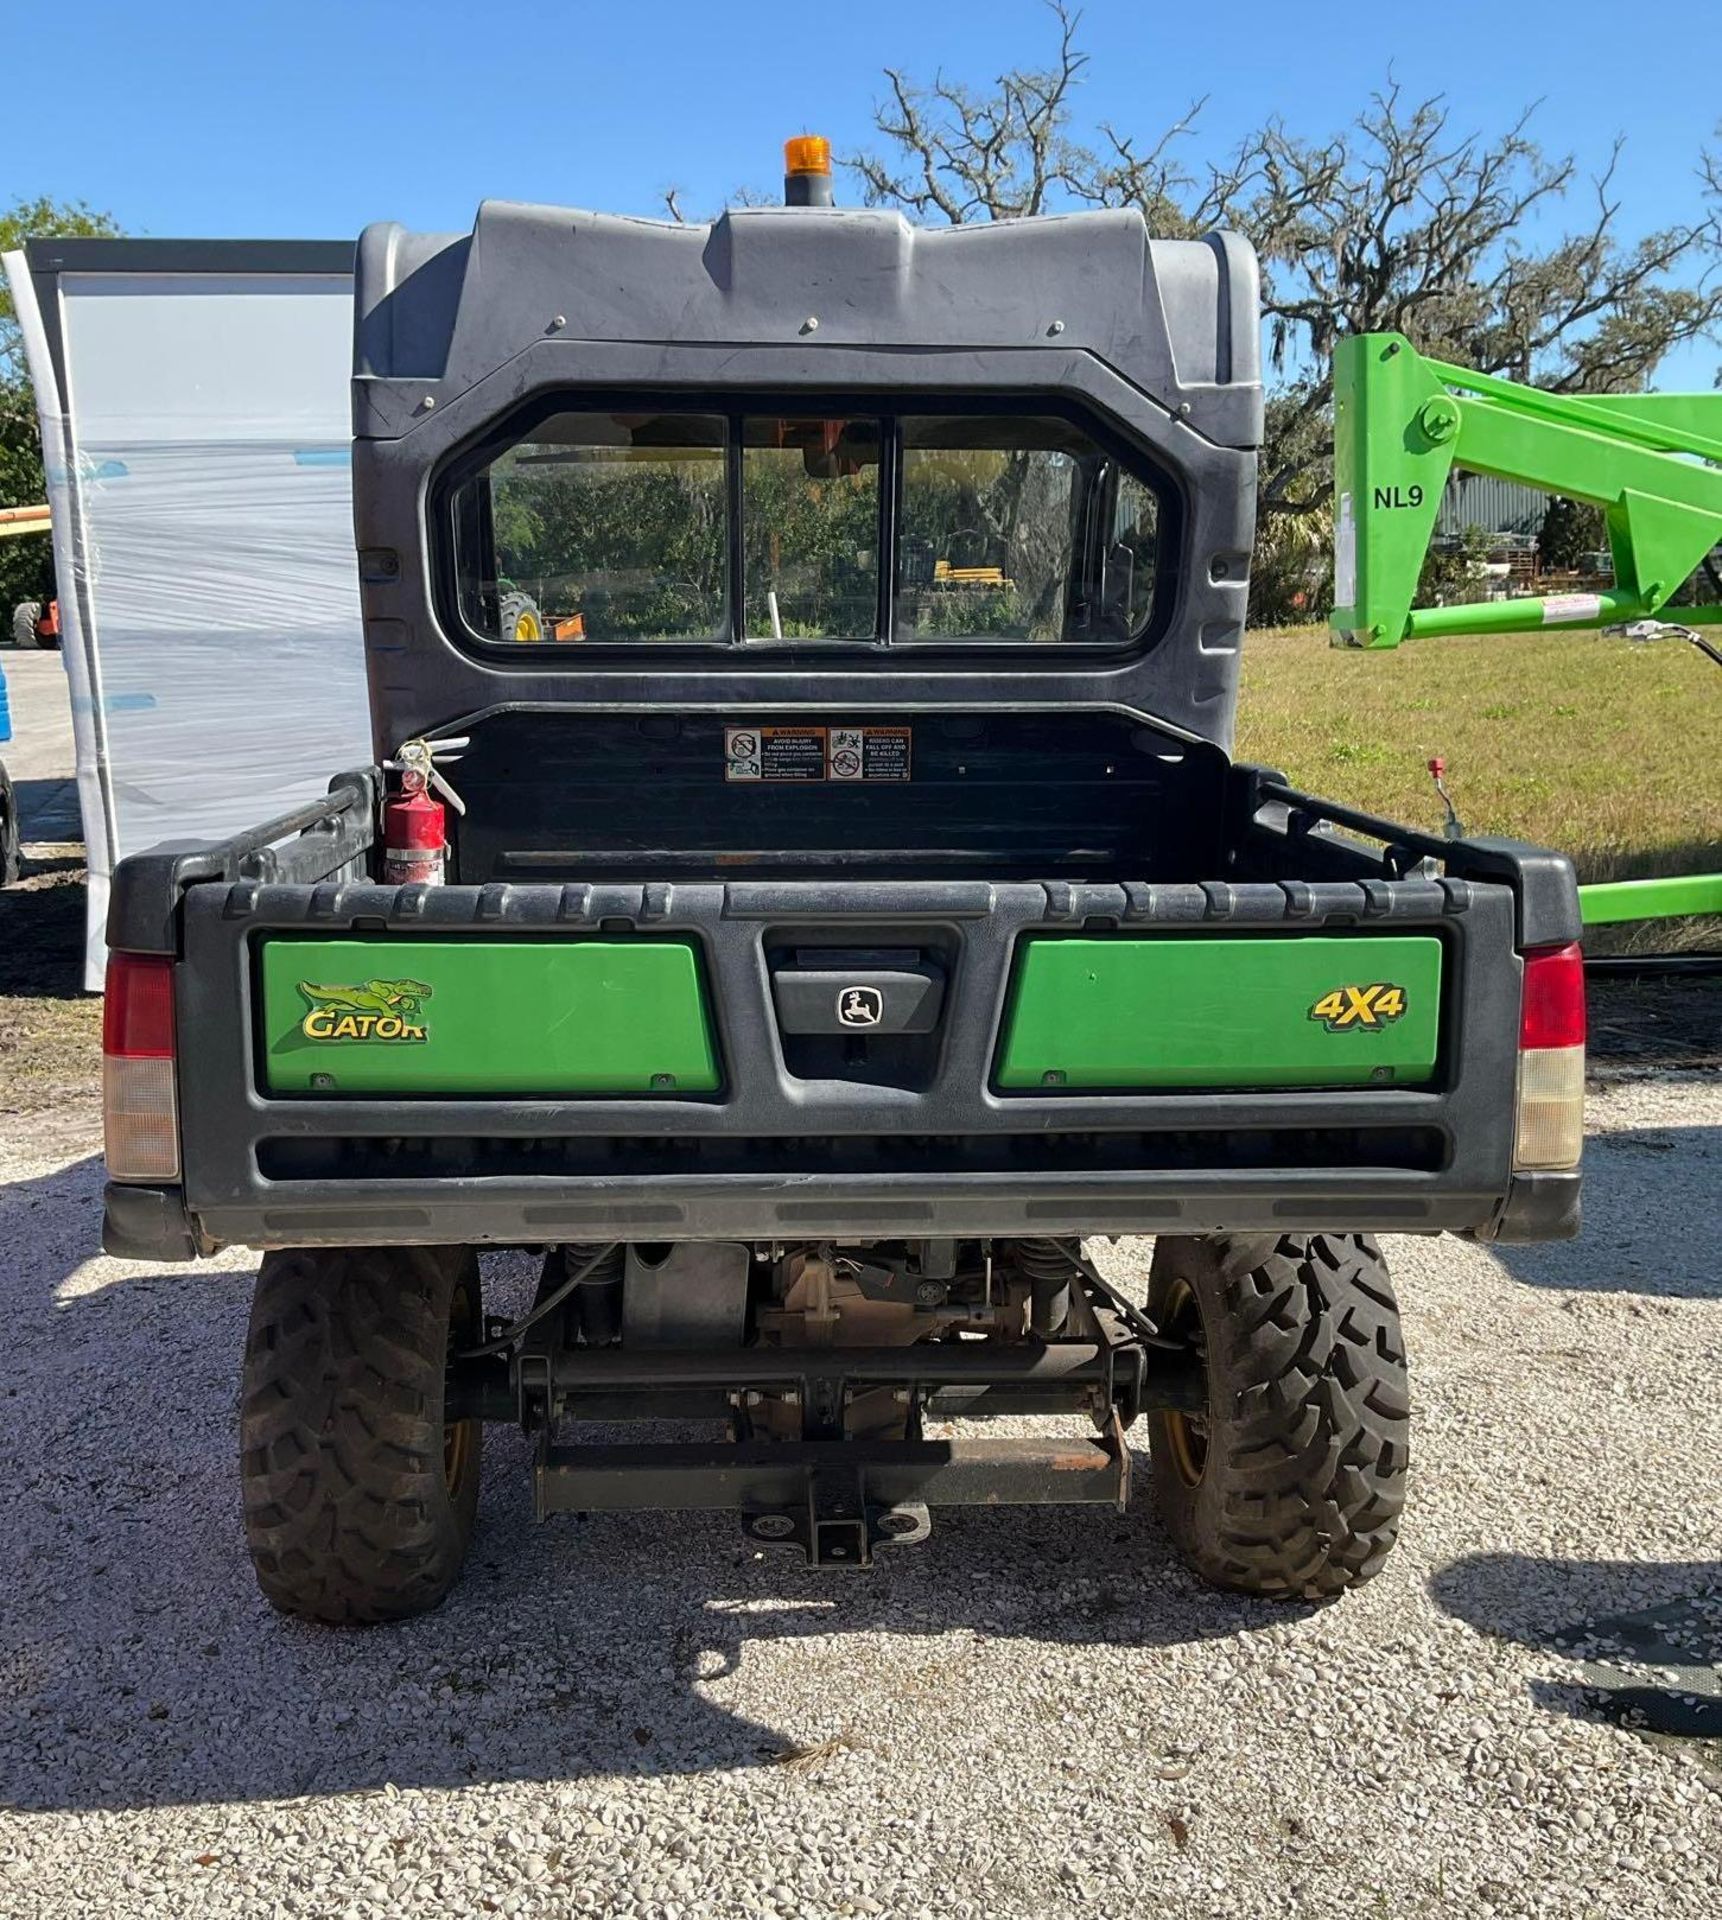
(1552, 1009)
(137, 1012)
(1549, 1128)
(140, 1105)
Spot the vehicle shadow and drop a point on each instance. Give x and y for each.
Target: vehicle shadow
(140, 1665)
(1644, 1637)
(1643, 1232)
(42, 927)
(48, 810)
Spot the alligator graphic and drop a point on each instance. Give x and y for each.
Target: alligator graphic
(402, 997)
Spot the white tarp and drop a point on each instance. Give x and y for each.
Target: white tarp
(199, 471)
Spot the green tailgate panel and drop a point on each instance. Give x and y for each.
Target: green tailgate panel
(495, 1017)
(1306, 1011)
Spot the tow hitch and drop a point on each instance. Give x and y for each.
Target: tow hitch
(860, 1474)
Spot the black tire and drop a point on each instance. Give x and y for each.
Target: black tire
(521, 619)
(359, 1502)
(11, 839)
(1292, 1486)
(24, 618)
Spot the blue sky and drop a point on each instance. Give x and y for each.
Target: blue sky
(187, 118)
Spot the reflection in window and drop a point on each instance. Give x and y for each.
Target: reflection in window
(1127, 566)
(602, 527)
(810, 529)
(610, 526)
(1018, 527)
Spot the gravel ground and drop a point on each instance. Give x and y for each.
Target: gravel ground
(1036, 1713)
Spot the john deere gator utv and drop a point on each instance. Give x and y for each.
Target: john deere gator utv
(862, 910)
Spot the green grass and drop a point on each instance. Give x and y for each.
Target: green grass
(1608, 749)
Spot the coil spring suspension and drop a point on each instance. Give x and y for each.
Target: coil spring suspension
(597, 1304)
(1049, 1266)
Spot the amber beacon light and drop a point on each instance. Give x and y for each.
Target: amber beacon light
(807, 171)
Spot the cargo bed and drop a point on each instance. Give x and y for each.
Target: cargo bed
(1077, 1056)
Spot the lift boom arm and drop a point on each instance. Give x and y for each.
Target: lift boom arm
(1402, 423)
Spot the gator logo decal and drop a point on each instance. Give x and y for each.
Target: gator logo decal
(1376, 1006)
(377, 1010)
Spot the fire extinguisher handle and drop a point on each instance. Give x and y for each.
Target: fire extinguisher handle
(415, 761)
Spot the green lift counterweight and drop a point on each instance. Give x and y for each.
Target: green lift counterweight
(1651, 461)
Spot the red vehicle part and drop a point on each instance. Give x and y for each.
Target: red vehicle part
(415, 836)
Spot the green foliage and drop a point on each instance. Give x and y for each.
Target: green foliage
(635, 540)
(27, 563)
(1291, 576)
(44, 219)
(814, 543)
(961, 612)
(987, 507)
(1453, 576)
(635, 548)
(1571, 530)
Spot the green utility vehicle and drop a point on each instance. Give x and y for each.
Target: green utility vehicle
(860, 907)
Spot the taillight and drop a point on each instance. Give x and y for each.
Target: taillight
(140, 1110)
(1549, 1125)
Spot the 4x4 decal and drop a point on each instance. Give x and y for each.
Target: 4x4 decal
(1373, 1006)
(375, 1010)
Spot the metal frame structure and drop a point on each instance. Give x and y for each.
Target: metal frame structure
(1651, 461)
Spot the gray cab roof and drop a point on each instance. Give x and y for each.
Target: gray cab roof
(1175, 318)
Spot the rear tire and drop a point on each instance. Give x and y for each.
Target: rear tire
(25, 616)
(522, 622)
(359, 1501)
(1293, 1483)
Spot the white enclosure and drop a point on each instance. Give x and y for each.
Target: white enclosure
(196, 431)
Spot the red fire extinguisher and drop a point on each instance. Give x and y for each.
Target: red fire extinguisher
(415, 839)
(415, 821)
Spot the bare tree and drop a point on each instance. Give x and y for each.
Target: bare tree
(1400, 221)
(1401, 224)
(964, 155)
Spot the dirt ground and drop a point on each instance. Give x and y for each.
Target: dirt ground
(1036, 1713)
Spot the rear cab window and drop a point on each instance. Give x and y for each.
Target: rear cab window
(601, 527)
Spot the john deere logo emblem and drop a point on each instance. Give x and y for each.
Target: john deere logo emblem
(860, 1006)
(378, 1010)
(1376, 1006)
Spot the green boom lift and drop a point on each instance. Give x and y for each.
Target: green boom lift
(1651, 461)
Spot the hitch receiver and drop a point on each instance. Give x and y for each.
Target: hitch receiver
(838, 1500)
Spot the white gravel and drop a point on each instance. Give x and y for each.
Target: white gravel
(1036, 1713)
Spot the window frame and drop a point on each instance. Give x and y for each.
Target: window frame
(735, 650)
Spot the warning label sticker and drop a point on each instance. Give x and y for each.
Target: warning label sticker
(1570, 606)
(869, 753)
(816, 753)
(774, 753)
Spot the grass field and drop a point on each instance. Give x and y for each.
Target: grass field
(1608, 749)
